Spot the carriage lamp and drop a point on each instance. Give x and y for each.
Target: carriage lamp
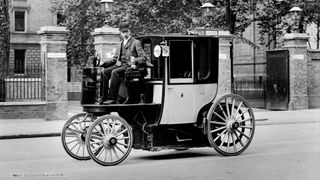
(295, 14)
(107, 5)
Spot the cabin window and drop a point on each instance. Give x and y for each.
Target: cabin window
(206, 53)
(180, 61)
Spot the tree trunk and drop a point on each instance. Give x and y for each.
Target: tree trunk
(4, 36)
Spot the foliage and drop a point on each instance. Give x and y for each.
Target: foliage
(157, 16)
(274, 19)
(4, 35)
(81, 18)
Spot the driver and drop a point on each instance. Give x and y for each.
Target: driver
(128, 53)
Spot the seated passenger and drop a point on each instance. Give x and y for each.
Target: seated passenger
(128, 53)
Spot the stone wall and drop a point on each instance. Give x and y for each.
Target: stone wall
(23, 110)
(314, 78)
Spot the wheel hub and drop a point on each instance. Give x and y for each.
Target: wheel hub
(233, 125)
(109, 141)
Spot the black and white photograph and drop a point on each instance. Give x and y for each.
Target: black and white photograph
(160, 89)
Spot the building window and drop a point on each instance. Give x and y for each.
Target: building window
(61, 19)
(19, 21)
(19, 61)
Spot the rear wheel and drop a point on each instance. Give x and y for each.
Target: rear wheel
(109, 140)
(74, 133)
(231, 125)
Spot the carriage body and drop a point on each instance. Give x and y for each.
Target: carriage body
(173, 106)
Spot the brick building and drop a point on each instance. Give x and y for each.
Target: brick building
(26, 18)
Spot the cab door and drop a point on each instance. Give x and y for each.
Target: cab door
(180, 90)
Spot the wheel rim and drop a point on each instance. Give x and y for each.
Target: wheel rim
(231, 127)
(73, 135)
(109, 140)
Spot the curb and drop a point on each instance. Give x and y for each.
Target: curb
(21, 136)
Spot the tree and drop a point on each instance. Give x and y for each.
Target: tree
(157, 16)
(274, 18)
(146, 17)
(4, 36)
(81, 18)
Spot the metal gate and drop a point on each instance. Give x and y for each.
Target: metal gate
(277, 70)
(23, 86)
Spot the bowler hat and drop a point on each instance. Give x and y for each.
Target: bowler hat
(124, 26)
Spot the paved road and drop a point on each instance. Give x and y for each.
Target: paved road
(286, 151)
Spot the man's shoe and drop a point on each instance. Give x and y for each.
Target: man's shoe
(102, 100)
(110, 101)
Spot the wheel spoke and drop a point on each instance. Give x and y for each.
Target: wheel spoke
(110, 155)
(247, 127)
(115, 153)
(72, 141)
(234, 142)
(98, 131)
(233, 103)
(105, 155)
(123, 138)
(97, 148)
(102, 149)
(219, 116)
(239, 139)
(78, 149)
(74, 131)
(96, 142)
(242, 114)
(228, 143)
(113, 126)
(224, 114)
(72, 134)
(227, 106)
(79, 123)
(75, 127)
(220, 123)
(219, 135)
(243, 134)
(124, 145)
(215, 130)
(239, 106)
(125, 130)
(119, 149)
(224, 138)
(74, 146)
(243, 120)
(94, 136)
(84, 146)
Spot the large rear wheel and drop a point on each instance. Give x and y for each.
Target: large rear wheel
(109, 140)
(231, 125)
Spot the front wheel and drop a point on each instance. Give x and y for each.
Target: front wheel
(231, 124)
(73, 135)
(109, 140)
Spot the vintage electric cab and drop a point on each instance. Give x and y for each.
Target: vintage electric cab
(174, 106)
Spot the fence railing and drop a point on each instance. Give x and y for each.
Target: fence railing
(23, 86)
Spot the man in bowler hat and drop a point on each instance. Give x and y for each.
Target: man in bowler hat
(129, 53)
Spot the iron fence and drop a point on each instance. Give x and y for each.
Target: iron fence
(22, 86)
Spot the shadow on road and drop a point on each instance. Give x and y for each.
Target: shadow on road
(175, 155)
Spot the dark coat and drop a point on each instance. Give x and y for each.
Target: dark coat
(132, 48)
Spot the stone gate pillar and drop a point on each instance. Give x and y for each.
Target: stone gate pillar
(224, 79)
(296, 43)
(105, 41)
(54, 61)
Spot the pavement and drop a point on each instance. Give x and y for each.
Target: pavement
(29, 128)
